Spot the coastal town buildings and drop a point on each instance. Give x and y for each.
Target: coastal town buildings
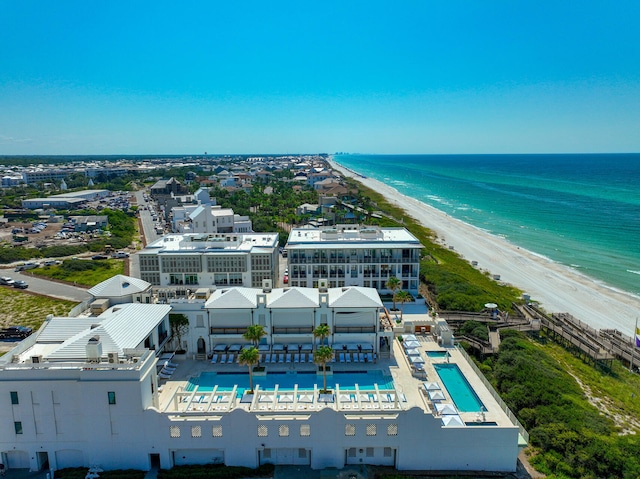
(220, 259)
(99, 389)
(353, 255)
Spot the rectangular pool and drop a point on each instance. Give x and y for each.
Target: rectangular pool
(437, 354)
(287, 380)
(463, 395)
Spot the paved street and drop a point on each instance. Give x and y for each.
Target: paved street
(48, 288)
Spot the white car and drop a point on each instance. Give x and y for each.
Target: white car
(120, 254)
(7, 280)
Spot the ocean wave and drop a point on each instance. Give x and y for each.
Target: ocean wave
(632, 271)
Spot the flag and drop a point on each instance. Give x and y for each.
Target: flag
(638, 337)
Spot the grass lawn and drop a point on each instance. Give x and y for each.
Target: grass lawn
(83, 272)
(20, 308)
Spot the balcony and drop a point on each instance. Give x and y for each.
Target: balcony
(214, 330)
(354, 329)
(292, 330)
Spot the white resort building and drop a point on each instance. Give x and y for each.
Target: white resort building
(99, 389)
(204, 260)
(353, 255)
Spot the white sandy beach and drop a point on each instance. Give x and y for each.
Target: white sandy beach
(556, 287)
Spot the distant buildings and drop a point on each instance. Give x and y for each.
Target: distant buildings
(71, 199)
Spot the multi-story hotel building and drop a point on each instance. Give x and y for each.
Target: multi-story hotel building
(200, 260)
(352, 255)
(98, 390)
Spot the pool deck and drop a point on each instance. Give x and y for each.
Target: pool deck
(409, 390)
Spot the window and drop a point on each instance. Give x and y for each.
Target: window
(174, 431)
(216, 431)
(263, 431)
(112, 397)
(371, 429)
(305, 430)
(196, 431)
(350, 430)
(392, 430)
(199, 321)
(14, 397)
(283, 430)
(18, 427)
(369, 452)
(388, 452)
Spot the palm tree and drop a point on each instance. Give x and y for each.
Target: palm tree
(323, 355)
(254, 333)
(403, 297)
(249, 357)
(321, 332)
(393, 284)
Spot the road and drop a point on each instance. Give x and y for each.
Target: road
(148, 223)
(48, 288)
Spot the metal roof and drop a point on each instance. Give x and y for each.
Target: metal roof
(119, 286)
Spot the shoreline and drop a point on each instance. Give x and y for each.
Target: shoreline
(557, 287)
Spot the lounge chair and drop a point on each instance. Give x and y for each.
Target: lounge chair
(162, 375)
(355, 358)
(347, 357)
(223, 358)
(288, 357)
(214, 359)
(361, 357)
(230, 359)
(296, 358)
(167, 372)
(342, 359)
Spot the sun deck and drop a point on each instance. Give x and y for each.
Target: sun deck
(180, 398)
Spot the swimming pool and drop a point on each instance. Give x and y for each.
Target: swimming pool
(437, 354)
(463, 395)
(286, 381)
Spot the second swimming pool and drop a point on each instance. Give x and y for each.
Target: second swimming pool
(286, 381)
(463, 395)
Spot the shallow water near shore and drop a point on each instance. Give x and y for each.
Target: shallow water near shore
(581, 210)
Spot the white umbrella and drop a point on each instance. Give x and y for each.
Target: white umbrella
(410, 344)
(446, 409)
(305, 398)
(285, 398)
(345, 397)
(431, 386)
(409, 337)
(413, 352)
(452, 420)
(416, 359)
(436, 395)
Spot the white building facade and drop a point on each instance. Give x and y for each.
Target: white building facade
(201, 260)
(352, 255)
(86, 391)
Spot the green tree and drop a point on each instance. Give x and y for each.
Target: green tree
(393, 284)
(403, 297)
(254, 333)
(322, 356)
(250, 357)
(322, 332)
(179, 324)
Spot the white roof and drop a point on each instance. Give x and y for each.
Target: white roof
(293, 298)
(233, 298)
(119, 286)
(122, 327)
(354, 297)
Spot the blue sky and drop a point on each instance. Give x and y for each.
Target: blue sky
(109, 77)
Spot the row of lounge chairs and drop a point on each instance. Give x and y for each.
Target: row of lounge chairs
(356, 357)
(266, 358)
(168, 368)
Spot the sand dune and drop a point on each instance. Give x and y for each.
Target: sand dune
(556, 287)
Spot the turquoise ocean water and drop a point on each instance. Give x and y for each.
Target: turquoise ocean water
(581, 210)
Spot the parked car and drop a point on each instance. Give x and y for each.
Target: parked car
(100, 256)
(20, 284)
(26, 266)
(7, 280)
(120, 254)
(51, 262)
(15, 332)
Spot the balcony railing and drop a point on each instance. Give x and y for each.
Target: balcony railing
(292, 330)
(354, 329)
(213, 330)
